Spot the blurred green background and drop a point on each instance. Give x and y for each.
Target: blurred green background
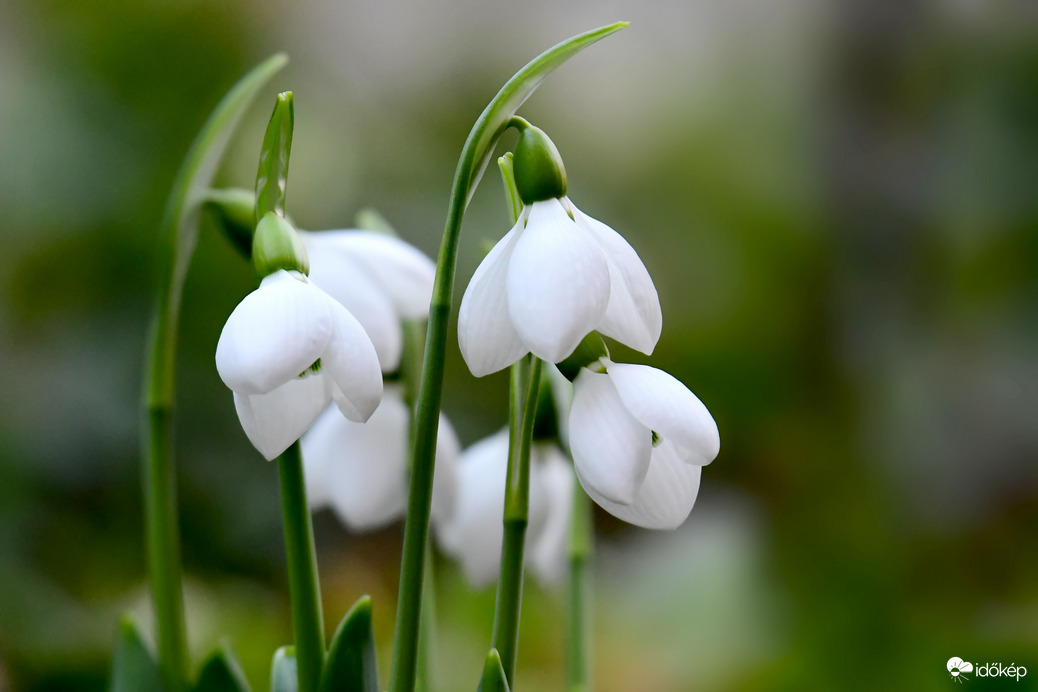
(837, 202)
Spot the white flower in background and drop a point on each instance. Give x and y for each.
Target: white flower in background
(557, 275)
(474, 533)
(639, 440)
(361, 470)
(380, 279)
(285, 351)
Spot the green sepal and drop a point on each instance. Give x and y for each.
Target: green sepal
(493, 679)
(589, 350)
(276, 246)
(350, 665)
(180, 223)
(272, 176)
(133, 667)
(284, 675)
(235, 211)
(221, 672)
(495, 118)
(539, 173)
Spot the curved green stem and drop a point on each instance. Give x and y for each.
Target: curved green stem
(303, 586)
(580, 548)
(525, 384)
(474, 157)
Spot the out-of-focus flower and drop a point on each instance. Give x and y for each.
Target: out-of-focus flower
(639, 440)
(361, 470)
(285, 351)
(557, 275)
(473, 534)
(380, 279)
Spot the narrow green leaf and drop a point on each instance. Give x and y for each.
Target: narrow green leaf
(221, 673)
(492, 122)
(283, 673)
(133, 667)
(493, 679)
(180, 223)
(272, 176)
(351, 665)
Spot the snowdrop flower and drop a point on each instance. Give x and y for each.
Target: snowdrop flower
(555, 276)
(474, 533)
(361, 471)
(639, 439)
(380, 279)
(288, 348)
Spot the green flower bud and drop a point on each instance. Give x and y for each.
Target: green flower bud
(539, 173)
(276, 245)
(235, 209)
(589, 350)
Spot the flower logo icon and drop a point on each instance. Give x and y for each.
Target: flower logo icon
(958, 668)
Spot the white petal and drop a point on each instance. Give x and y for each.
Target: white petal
(662, 403)
(487, 338)
(445, 475)
(315, 446)
(401, 270)
(548, 552)
(473, 534)
(557, 283)
(352, 365)
(274, 334)
(342, 278)
(633, 316)
(275, 420)
(665, 497)
(610, 448)
(367, 467)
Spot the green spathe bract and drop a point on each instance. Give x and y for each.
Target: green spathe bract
(475, 155)
(276, 246)
(272, 176)
(539, 173)
(179, 234)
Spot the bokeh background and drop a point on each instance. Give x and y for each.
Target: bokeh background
(837, 201)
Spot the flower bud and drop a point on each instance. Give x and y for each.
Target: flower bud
(539, 173)
(235, 208)
(276, 245)
(590, 349)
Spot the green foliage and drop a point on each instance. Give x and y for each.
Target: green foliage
(221, 672)
(493, 678)
(133, 668)
(283, 671)
(351, 665)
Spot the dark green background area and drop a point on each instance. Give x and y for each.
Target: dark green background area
(838, 205)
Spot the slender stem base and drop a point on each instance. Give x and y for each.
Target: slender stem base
(303, 586)
(525, 382)
(581, 546)
(164, 547)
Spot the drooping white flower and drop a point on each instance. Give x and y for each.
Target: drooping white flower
(639, 440)
(285, 351)
(361, 470)
(380, 279)
(474, 533)
(557, 275)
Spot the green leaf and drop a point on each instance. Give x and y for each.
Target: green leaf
(133, 667)
(493, 679)
(284, 676)
(272, 176)
(180, 224)
(351, 665)
(221, 673)
(494, 119)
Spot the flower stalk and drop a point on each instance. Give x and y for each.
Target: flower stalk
(581, 547)
(474, 157)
